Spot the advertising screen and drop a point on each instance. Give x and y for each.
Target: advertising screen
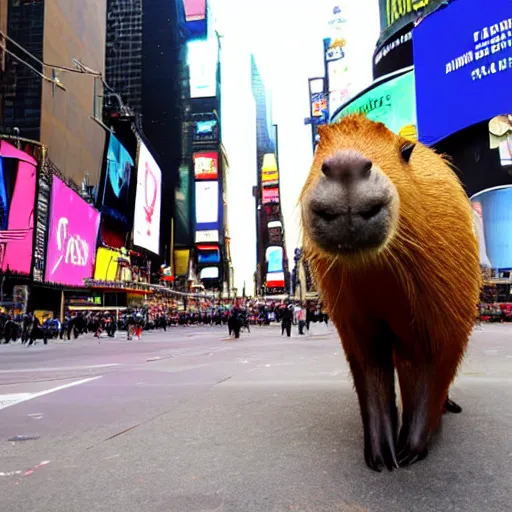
(116, 194)
(17, 202)
(274, 259)
(202, 63)
(195, 9)
(146, 229)
(319, 105)
(111, 266)
(209, 273)
(72, 237)
(398, 13)
(275, 280)
(206, 128)
(269, 171)
(181, 260)
(207, 255)
(494, 208)
(391, 102)
(206, 165)
(182, 224)
(270, 195)
(470, 65)
(209, 235)
(207, 205)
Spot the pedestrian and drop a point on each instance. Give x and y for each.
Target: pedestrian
(286, 320)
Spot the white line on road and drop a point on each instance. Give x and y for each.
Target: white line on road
(64, 368)
(10, 400)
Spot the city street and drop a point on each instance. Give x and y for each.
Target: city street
(191, 421)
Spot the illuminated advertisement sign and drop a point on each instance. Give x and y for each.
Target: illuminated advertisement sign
(270, 195)
(211, 235)
(72, 237)
(146, 229)
(393, 54)
(116, 193)
(17, 200)
(472, 59)
(195, 10)
(494, 209)
(206, 128)
(391, 102)
(202, 63)
(274, 259)
(182, 220)
(269, 171)
(275, 280)
(398, 13)
(206, 165)
(208, 254)
(319, 106)
(181, 261)
(209, 273)
(112, 266)
(207, 205)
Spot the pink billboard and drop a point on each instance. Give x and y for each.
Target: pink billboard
(17, 198)
(72, 237)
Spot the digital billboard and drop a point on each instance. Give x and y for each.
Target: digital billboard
(206, 165)
(17, 202)
(109, 266)
(206, 128)
(182, 222)
(391, 102)
(207, 205)
(274, 259)
(470, 65)
(202, 62)
(116, 192)
(72, 236)
(269, 171)
(270, 195)
(494, 207)
(181, 261)
(146, 228)
(195, 10)
(209, 235)
(208, 254)
(275, 280)
(209, 273)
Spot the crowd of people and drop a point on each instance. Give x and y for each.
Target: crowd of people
(236, 316)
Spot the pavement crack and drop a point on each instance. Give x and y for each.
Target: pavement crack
(223, 380)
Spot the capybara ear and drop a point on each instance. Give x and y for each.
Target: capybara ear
(406, 150)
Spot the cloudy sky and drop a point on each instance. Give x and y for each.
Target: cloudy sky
(286, 39)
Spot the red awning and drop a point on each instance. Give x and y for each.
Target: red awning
(208, 247)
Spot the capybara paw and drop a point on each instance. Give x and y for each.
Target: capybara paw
(410, 451)
(380, 450)
(451, 406)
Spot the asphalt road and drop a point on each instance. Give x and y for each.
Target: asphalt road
(188, 421)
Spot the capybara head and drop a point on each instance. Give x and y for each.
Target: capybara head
(351, 201)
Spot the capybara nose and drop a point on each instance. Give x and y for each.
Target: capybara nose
(346, 166)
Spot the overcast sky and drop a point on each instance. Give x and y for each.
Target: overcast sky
(286, 38)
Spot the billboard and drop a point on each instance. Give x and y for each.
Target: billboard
(270, 195)
(182, 222)
(181, 260)
(269, 171)
(209, 273)
(146, 227)
(74, 225)
(471, 66)
(203, 56)
(275, 280)
(274, 259)
(116, 192)
(391, 102)
(206, 128)
(109, 266)
(494, 207)
(206, 165)
(207, 205)
(208, 254)
(17, 203)
(399, 13)
(208, 235)
(195, 10)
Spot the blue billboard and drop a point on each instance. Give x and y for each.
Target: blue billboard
(463, 66)
(493, 216)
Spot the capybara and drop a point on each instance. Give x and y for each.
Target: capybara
(387, 230)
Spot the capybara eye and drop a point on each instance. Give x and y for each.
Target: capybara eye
(406, 151)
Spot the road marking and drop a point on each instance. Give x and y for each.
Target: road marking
(64, 368)
(18, 398)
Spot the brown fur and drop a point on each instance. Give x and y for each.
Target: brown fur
(423, 285)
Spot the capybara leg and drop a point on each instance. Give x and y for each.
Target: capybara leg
(424, 392)
(374, 381)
